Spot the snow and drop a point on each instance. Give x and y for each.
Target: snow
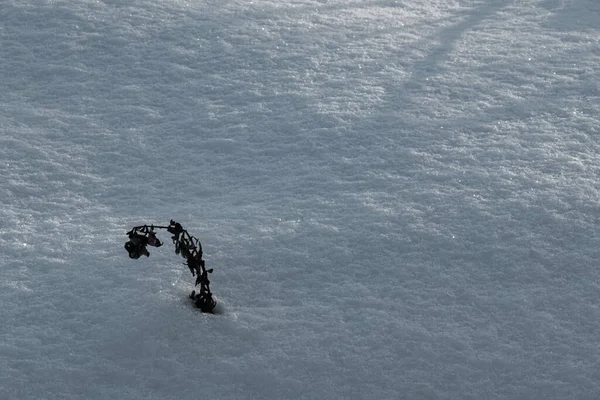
(399, 198)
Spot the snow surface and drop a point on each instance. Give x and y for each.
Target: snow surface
(400, 199)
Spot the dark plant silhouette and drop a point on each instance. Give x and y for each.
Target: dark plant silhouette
(188, 246)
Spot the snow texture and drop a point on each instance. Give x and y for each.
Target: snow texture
(399, 198)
